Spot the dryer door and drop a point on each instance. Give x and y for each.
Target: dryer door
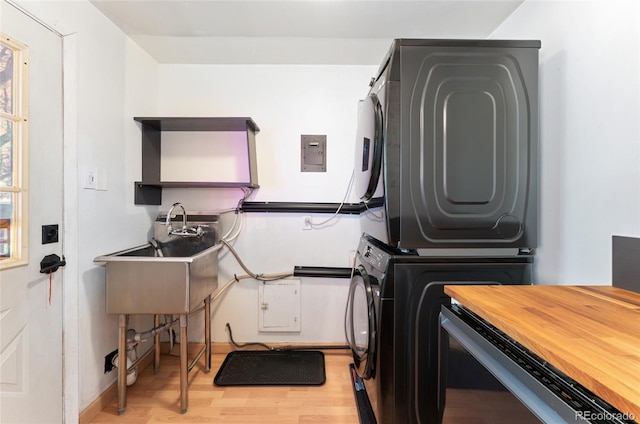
(369, 149)
(360, 324)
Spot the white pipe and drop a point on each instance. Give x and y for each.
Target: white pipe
(157, 330)
(132, 356)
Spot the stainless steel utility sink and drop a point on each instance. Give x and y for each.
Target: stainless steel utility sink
(174, 274)
(170, 275)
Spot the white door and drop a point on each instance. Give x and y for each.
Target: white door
(31, 302)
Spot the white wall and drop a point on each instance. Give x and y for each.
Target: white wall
(115, 79)
(589, 136)
(589, 132)
(285, 101)
(113, 83)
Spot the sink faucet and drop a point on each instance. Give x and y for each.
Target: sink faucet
(170, 230)
(184, 231)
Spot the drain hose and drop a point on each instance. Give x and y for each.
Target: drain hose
(283, 348)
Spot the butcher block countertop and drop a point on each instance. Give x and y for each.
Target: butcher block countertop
(591, 333)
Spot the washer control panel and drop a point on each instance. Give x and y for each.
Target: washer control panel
(373, 256)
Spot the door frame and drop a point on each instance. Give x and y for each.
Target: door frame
(70, 277)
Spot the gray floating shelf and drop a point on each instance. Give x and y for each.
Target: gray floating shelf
(149, 190)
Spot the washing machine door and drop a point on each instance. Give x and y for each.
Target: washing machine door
(361, 321)
(369, 149)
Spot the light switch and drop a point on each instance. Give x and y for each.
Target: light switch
(89, 180)
(313, 153)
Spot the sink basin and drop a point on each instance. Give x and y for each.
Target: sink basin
(186, 248)
(173, 277)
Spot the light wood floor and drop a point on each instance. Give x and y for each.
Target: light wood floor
(156, 398)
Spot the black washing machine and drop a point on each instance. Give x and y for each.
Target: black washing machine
(392, 324)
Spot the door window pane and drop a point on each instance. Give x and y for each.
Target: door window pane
(14, 111)
(6, 218)
(6, 153)
(6, 79)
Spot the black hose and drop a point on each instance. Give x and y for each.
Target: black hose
(284, 348)
(246, 344)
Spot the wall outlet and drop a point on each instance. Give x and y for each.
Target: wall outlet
(108, 361)
(307, 223)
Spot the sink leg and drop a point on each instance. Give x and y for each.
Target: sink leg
(122, 364)
(156, 345)
(184, 367)
(207, 334)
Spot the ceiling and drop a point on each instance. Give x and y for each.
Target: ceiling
(295, 31)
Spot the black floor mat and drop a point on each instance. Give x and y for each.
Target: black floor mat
(265, 368)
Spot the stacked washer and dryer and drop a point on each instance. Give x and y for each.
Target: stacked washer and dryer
(447, 142)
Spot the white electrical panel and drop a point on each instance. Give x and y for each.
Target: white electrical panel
(279, 306)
